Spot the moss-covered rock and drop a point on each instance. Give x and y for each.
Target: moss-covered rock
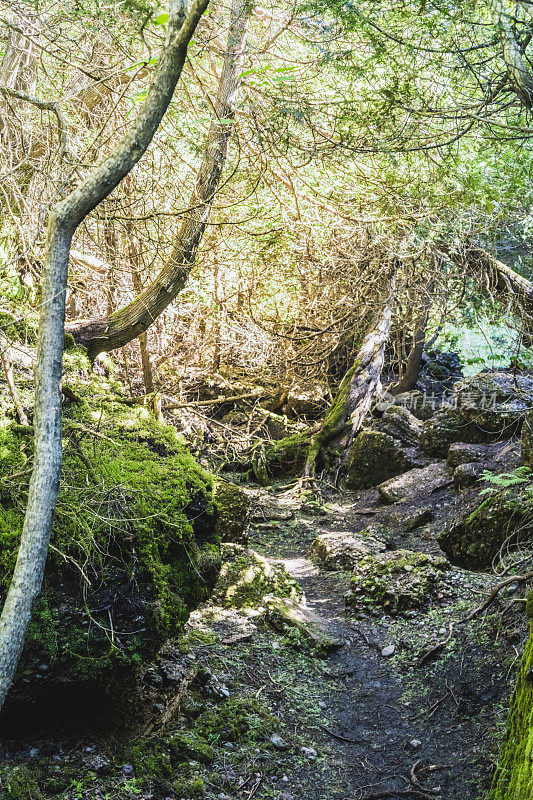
(234, 512)
(504, 517)
(514, 775)
(375, 457)
(246, 578)
(341, 551)
(133, 545)
(447, 426)
(286, 457)
(396, 581)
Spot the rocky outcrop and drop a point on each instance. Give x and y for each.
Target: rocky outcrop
(397, 581)
(416, 484)
(505, 517)
(341, 551)
(133, 546)
(247, 577)
(485, 408)
(375, 457)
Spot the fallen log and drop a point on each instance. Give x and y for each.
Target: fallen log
(356, 393)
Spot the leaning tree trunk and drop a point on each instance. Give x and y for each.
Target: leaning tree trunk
(116, 330)
(414, 359)
(356, 392)
(64, 218)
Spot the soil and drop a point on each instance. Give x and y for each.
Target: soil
(354, 724)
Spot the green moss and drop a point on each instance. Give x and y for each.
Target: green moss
(239, 719)
(246, 578)
(279, 459)
(514, 775)
(234, 511)
(375, 457)
(191, 745)
(396, 581)
(19, 783)
(133, 541)
(506, 516)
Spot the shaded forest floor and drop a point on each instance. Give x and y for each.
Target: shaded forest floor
(283, 721)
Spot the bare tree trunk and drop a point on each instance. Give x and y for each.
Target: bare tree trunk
(102, 335)
(414, 360)
(521, 77)
(63, 220)
(356, 392)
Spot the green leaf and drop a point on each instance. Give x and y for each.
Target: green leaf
(162, 19)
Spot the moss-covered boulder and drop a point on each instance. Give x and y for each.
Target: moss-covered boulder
(505, 517)
(342, 550)
(421, 405)
(513, 779)
(234, 511)
(396, 581)
(375, 457)
(278, 459)
(133, 545)
(246, 578)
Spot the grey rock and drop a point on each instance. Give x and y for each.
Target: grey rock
(416, 483)
(388, 651)
(278, 742)
(466, 474)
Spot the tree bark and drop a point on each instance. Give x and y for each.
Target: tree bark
(116, 330)
(63, 220)
(356, 392)
(521, 77)
(414, 360)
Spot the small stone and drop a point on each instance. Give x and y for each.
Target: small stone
(275, 645)
(34, 752)
(408, 568)
(415, 744)
(442, 631)
(388, 651)
(322, 704)
(278, 742)
(127, 769)
(309, 752)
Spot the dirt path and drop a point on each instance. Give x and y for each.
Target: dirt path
(428, 730)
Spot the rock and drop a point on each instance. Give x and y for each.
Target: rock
(283, 612)
(484, 408)
(462, 453)
(388, 651)
(527, 441)
(234, 511)
(376, 456)
(135, 509)
(466, 474)
(414, 519)
(496, 401)
(416, 483)
(246, 578)
(282, 458)
(309, 752)
(338, 551)
(278, 742)
(415, 744)
(399, 423)
(306, 401)
(397, 581)
(421, 405)
(502, 518)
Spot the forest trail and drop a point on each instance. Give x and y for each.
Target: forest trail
(392, 730)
